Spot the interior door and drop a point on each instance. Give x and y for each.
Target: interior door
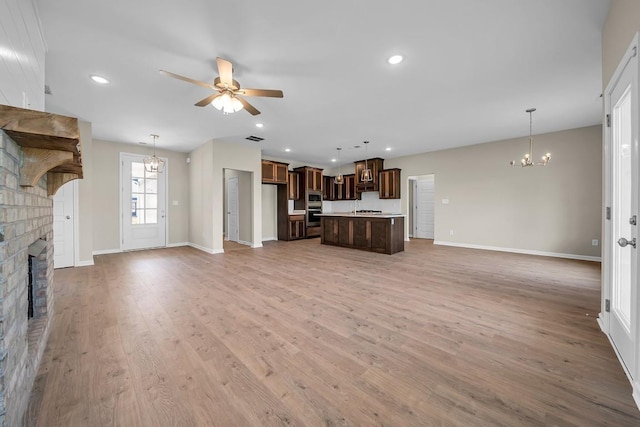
(424, 200)
(63, 226)
(232, 209)
(143, 205)
(622, 139)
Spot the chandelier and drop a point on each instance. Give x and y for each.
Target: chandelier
(154, 163)
(227, 102)
(527, 160)
(339, 179)
(366, 175)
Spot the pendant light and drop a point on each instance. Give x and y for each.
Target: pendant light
(154, 163)
(339, 179)
(366, 175)
(527, 160)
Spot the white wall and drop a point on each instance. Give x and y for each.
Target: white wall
(105, 166)
(207, 185)
(22, 52)
(554, 209)
(85, 198)
(269, 212)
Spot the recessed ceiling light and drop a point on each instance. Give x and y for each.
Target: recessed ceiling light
(99, 79)
(333, 160)
(387, 149)
(287, 149)
(395, 59)
(259, 125)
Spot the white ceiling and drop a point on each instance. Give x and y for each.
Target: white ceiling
(471, 69)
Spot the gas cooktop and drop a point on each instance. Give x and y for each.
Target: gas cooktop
(367, 211)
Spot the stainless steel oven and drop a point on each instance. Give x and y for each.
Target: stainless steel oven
(313, 220)
(314, 197)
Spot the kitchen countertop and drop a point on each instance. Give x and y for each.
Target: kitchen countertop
(363, 214)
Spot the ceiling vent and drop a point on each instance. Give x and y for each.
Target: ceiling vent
(254, 138)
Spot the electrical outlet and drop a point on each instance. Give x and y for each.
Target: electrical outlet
(594, 242)
(450, 232)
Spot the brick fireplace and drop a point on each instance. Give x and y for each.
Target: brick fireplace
(26, 218)
(39, 152)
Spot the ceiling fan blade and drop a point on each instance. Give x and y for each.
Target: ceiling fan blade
(225, 68)
(187, 79)
(207, 100)
(250, 108)
(261, 92)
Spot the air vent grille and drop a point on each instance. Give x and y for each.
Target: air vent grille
(47, 90)
(255, 138)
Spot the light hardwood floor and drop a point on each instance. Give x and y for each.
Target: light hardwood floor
(298, 333)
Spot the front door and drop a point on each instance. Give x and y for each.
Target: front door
(621, 139)
(143, 205)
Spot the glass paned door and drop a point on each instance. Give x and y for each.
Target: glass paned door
(143, 205)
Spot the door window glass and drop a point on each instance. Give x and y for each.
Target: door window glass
(144, 195)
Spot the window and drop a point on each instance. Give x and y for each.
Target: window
(144, 195)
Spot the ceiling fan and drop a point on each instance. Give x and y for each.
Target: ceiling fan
(226, 97)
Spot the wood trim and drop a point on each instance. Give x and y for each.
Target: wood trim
(50, 142)
(55, 180)
(38, 161)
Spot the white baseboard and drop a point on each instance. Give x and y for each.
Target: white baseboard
(269, 239)
(257, 245)
(106, 252)
(176, 245)
(519, 251)
(87, 263)
(207, 250)
(242, 242)
(636, 393)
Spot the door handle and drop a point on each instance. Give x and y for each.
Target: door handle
(624, 242)
(633, 220)
(68, 217)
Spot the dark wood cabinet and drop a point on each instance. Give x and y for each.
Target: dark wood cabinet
(329, 188)
(296, 227)
(294, 186)
(314, 179)
(330, 231)
(310, 178)
(346, 190)
(376, 165)
(389, 187)
(369, 233)
(274, 172)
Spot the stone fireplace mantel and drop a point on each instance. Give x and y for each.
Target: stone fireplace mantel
(50, 144)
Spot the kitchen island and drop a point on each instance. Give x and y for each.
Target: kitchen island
(376, 232)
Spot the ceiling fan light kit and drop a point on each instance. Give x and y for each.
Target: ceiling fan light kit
(227, 90)
(527, 160)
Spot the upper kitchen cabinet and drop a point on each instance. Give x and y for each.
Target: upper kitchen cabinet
(274, 172)
(389, 184)
(312, 178)
(294, 186)
(376, 165)
(346, 190)
(329, 188)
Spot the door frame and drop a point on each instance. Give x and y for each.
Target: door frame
(604, 317)
(74, 223)
(412, 185)
(237, 206)
(121, 189)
